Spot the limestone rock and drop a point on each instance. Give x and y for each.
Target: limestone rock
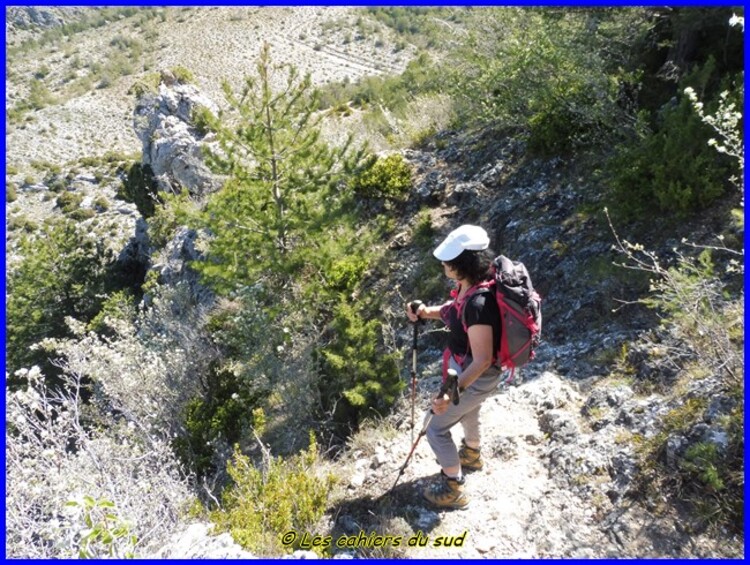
(197, 542)
(172, 146)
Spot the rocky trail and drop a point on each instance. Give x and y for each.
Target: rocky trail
(552, 486)
(517, 508)
(558, 480)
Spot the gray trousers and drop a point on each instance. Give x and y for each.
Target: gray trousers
(466, 412)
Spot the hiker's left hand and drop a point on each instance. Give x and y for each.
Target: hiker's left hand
(440, 405)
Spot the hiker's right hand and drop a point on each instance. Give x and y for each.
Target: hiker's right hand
(411, 315)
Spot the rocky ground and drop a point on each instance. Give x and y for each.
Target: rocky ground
(557, 483)
(551, 487)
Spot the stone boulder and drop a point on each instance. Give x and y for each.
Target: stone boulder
(172, 145)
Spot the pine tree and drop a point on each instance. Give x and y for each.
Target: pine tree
(282, 180)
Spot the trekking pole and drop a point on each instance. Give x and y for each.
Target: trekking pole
(449, 387)
(414, 307)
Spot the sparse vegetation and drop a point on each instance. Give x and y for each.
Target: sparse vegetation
(267, 502)
(387, 177)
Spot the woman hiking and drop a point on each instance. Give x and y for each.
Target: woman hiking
(473, 319)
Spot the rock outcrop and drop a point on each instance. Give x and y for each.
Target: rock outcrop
(172, 145)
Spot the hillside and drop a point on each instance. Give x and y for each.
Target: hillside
(88, 74)
(161, 389)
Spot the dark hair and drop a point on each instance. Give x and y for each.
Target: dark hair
(473, 266)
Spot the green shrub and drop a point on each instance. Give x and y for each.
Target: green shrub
(39, 96)
(82, 214)
(203, 120)
(263, 504)
(386, 177)
(119, 306)
(357, 377)
(65, 272)
(167, 217)
(140, 188)
(182, 74)
(221, 416)
(672, 169)
(10, 192)
(102, 203)
(148, 83)
(345, 274)
(22, 223)
(424, 232)
(69, 201)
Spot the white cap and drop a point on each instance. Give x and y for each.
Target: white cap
(465, 237)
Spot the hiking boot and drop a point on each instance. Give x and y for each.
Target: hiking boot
(471, 459)
(447, 493)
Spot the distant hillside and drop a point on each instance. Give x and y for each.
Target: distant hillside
(69, 69)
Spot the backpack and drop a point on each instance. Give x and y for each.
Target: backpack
(520, 313)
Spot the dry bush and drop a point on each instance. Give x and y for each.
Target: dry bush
(54, 457)
(114, 447)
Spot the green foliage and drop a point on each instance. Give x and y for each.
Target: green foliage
(102, 203)
(22, 222)
(65, 272)
(421, 76)
(69, 201)
(221, 416)
(357, 377)
(148, 83)
(39, 96)
(117, 307)
(10, 192)
(545, 72)
(424, 232)
(88, 20)
(677, 41)
(262, 504)
(182, 74)
(82, 214)
(422, 26)
(386, 177)
(104, 533)
(140, 188)
(346, 273)
(701, 461)
(672, 169)
(252, 342)
(284, 183)
(171, 212)
(203, 120)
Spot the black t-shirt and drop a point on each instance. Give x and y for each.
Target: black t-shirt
(480, 308)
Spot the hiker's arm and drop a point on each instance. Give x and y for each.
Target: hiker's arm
(424, 312)
(481, 344)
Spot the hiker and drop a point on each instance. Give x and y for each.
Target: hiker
(467, 260)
